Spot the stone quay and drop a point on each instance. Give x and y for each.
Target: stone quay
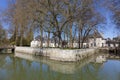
(70, 55)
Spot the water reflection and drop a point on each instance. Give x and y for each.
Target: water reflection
(36, 68)
(62, 67)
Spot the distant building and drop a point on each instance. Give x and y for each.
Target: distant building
(93, 40)
(96, 40)
(35, 43)
(115, 42)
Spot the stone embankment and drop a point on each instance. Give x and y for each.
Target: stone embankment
(57, 54)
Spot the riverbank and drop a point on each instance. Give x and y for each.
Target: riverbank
(57, 53)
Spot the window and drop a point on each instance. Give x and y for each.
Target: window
(102, 44)
(91, 45)
(94, 44)
(94, 39)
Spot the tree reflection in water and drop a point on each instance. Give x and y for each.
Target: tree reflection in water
(36, 68)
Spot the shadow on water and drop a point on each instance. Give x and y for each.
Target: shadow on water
(6, 51)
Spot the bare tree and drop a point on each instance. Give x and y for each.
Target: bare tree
(55, 17)
(88, 20)
(114, 7)
(3, 36)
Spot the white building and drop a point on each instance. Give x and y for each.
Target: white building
(96, 40)
(35, 43)
(112, 43)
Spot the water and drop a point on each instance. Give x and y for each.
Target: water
(36, 68)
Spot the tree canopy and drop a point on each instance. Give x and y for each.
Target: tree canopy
(62, 20)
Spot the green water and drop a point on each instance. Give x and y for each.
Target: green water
(35, 68)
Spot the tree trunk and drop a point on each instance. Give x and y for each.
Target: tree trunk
(67, 40)
(82, 44)
(21, 36)
(29, 36)
(72, 42)
(48, 41)
(60, 39)
(21, 39)
(71, 46)
(79, 40)
(55, 42)
(41, 38)
(64, 36)
(16, 36)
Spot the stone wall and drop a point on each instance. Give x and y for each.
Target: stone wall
(57, 54)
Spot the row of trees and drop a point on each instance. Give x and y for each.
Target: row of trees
(62, 19)
(71, 18)
(3, 36)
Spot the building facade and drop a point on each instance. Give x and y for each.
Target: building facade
(93, 41)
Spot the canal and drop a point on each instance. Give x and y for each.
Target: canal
(38, 68)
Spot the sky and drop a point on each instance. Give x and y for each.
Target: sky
(108, 31)
(3, 3)
(3, 6)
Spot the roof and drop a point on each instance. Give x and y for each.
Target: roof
(116, 38)
(96, 34)
(112, 42)
(44, 39)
